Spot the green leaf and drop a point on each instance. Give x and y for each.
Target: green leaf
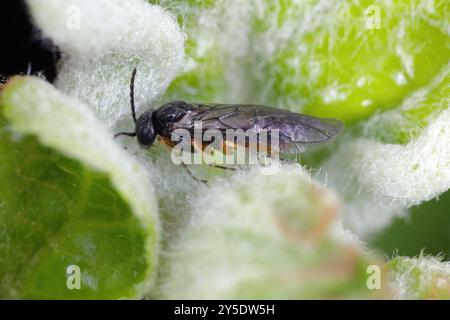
(351, 59)
(69, 195)
(343, 59)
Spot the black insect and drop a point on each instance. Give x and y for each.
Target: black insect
(295, 131)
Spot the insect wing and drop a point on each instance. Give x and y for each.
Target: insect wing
(295, 131)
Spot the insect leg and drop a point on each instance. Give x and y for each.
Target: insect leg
(199, 149)
(222, 167)
(289, 162)
(192, 175)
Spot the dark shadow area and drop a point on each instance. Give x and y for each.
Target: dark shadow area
(22, 47)
(427, 227)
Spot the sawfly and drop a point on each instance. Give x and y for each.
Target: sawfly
(295, 132)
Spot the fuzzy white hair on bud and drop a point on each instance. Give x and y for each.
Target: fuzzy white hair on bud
(380, 181)
(102, 41)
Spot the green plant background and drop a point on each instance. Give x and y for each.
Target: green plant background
(70, 194)
(60, 210)
(427, 228)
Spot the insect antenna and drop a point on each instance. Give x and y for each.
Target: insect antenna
(129, 134)
(133, 111)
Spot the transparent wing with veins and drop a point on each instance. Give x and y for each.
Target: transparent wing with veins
(296, 131)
